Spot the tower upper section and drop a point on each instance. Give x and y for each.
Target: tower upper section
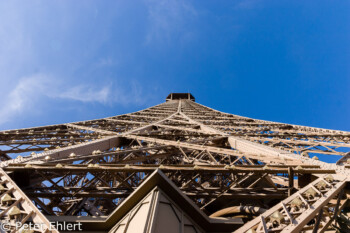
(178, 96)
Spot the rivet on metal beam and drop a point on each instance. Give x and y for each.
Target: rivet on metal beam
(296, 203)
(14, 211)
(321, 185)
(277, 217)
(310, 193)
(329, 178)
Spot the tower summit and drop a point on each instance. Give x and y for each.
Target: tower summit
(180, 96)
(176, 167)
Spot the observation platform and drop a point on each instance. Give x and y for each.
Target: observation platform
(180, 96)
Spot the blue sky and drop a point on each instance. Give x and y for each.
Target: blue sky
(64, 61)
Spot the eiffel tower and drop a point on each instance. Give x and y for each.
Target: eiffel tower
(177, 167)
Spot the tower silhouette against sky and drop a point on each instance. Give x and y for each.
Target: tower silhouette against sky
(177, 167)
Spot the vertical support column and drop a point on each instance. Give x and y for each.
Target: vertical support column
(337, 205)
(318, 220)
(290, 181)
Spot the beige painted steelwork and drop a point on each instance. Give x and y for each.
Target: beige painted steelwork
(175, 167)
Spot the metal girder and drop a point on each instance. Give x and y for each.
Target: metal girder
(18, 208)
(295, 212)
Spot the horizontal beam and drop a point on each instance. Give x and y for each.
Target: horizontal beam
(141, 168)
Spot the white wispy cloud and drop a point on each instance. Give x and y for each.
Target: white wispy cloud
(21, 97)
(85, 93)
(31, 90)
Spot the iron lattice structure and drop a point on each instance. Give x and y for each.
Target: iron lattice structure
(175, 167)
